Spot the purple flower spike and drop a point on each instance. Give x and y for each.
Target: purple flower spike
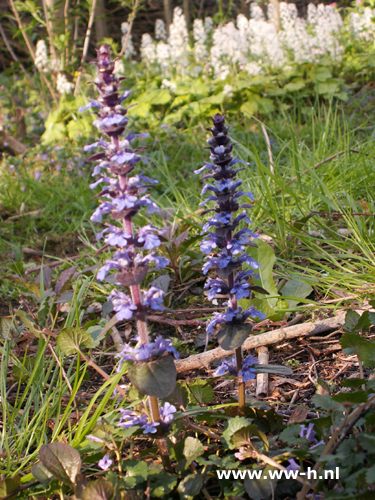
(123, 195)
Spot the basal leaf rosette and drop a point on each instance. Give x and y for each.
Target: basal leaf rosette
(153, 372)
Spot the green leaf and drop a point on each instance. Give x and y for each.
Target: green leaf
(234, 425)
(193, 449)
(70, 340)
(180, 395)
(190, 486)
(7, 486)
(180, 99)
(142, 110)
(370, 474)
(23, 373)
(328, 88)
(367, 441)
(161, 483)
(290, 434)
(202, 392)
(158, 97)
(62, 461)
(352, 341)
(353, 383)
(367, 354)
(296, 288)
(27, 321)
(351, 320)
(265, 256)
(351, 398)
(154, 378)
(249, 108)
(233, 336)
(55, 129)
(295, 85)
(136, 472)
(259, 489)
(242, 437)
(99, 490)
(41, 474)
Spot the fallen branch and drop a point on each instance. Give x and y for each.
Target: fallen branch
(206, 358)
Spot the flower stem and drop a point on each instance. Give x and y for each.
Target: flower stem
(241, 384)
(238, 351)
(162, 443)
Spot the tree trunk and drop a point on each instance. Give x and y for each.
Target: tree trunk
(167, 13)
(101, 30)
(186, 6)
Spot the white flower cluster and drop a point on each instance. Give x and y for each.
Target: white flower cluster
(129, 49)
(178, 40)
(258, 43)
(361, 24)
(43, 61)
(63, 85)
(160, 31)
(41, 56)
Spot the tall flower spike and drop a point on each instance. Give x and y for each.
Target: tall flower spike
(123, 196)
(224, 245)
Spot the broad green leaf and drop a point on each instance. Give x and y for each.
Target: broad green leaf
(265, 104)
(161, 483)
(55, 129)
(190, 486)
(180, 99)
(328, 88)
(367, 441)
(353, 383)
(295, 85)
(70, 340)
(351, 398)
(154, 378)
(136, 472)
(249, 108)
(7, 486)
(296, 288)
(351, 320)
(367, 354)
(41, 474)
(320, 74)
(31, 287)
(234, 425)
(142, 110)
(158, 97)
(242, 437)
(99, 490)
(260, 489)
(180, 395)
(290, 435)
(202, 392)
(62, 461)
(193, 449)
(352, 341)
(233, 336)
(27, 321)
